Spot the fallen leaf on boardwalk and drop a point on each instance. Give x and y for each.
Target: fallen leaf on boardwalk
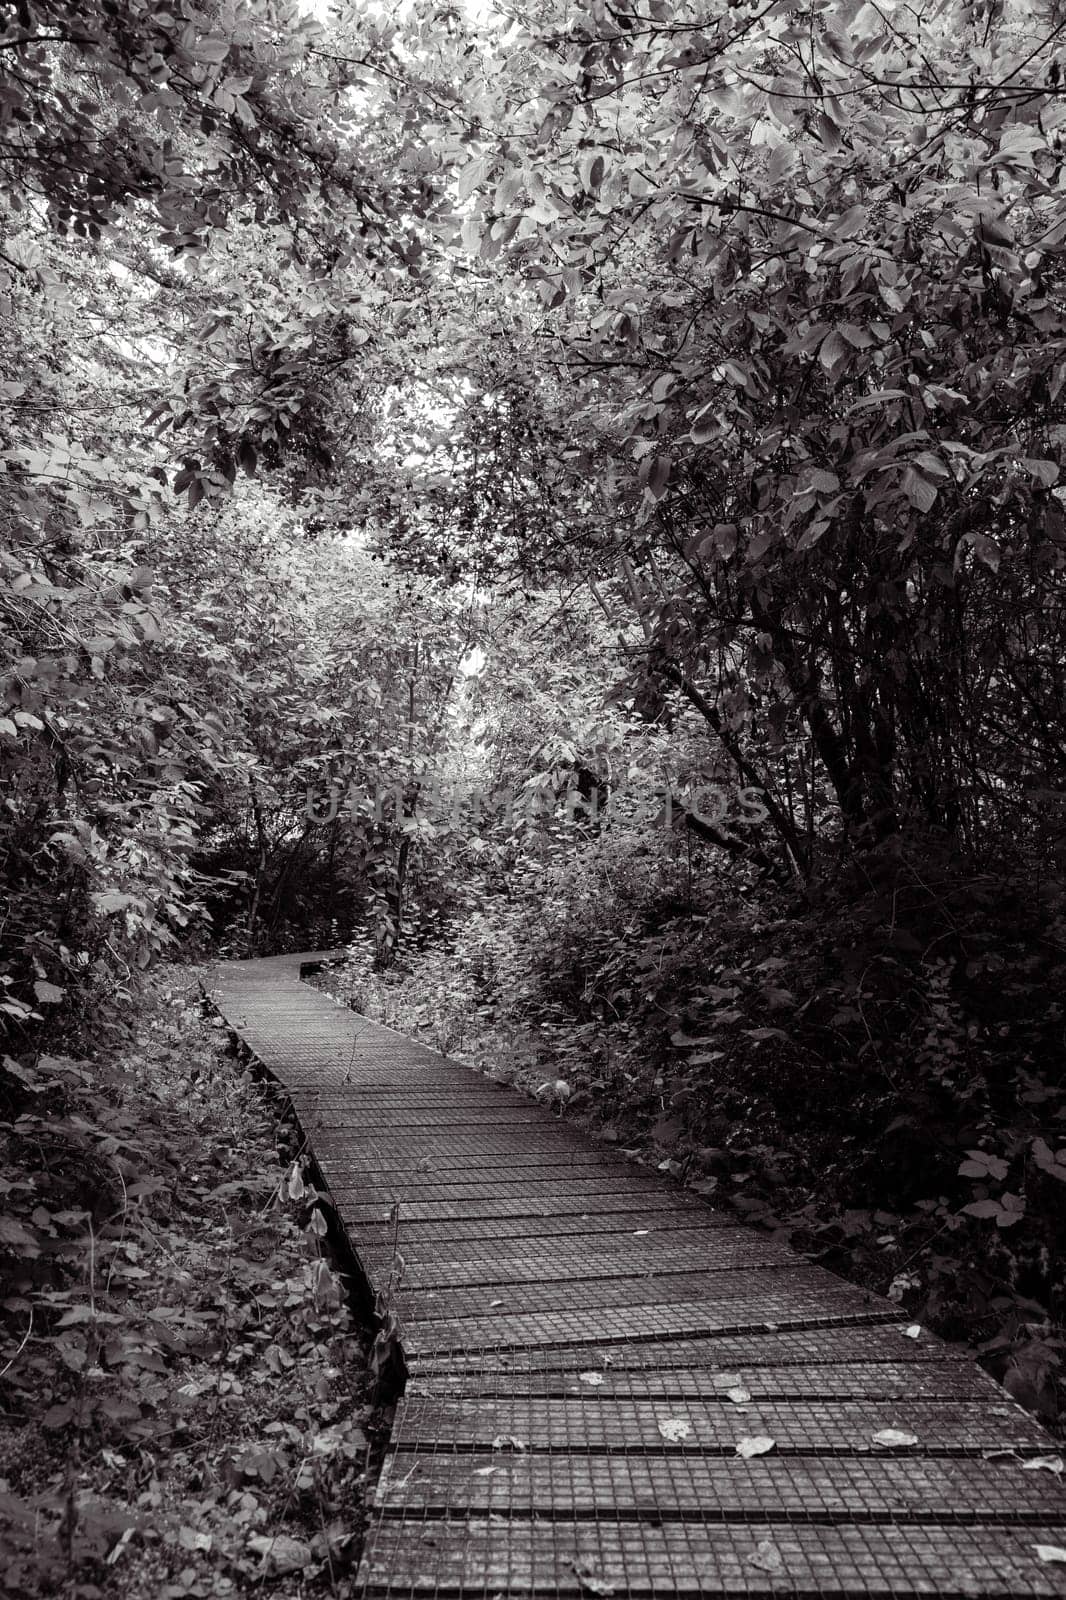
(767, 1557)
(739, 1396)
(1047, 1463)
(594, 1378)
(638, 1233)
(507, 1441)
(1004, 1453)
(893, 1438)
(1050, 1552)
(486, 1472)
(727, 1380)
(494, 1303)
(758, 1445)
(589, 1580)
(913, 1332)
(674, 1428)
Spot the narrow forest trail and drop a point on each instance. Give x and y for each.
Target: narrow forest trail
(614, 1389)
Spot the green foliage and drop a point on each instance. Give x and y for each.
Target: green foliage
(785, 390)
(188, 221)
(172, 687)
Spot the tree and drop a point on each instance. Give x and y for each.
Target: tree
(793, 283)
(187, 213)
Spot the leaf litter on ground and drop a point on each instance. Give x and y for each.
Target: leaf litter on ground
(228, 1447)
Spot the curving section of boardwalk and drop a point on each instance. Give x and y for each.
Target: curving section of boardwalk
(614, 1389)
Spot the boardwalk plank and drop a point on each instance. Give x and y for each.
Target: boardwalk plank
(562, 1266)
(760, 1347)
(663, 1223)
(839, 1380)
(751, 1313)
(608, 1423)
(437, 1155)
(721, 1489)
(559, 1199)
(507, 1556)
(575, 1185)
(792, 1284)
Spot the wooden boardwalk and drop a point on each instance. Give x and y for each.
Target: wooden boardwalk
(615, 1390)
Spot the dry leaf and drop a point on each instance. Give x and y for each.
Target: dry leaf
(1047, 1463)
(116, 1550)
(590, 1581)
(767, 1557)
(507, 1441)
(1050, 1552)
(894, 1438)
(739, 1396)
(283, 1552)
(595, 1378)
(759, 1445)
(674, 1428)
(913, 1332)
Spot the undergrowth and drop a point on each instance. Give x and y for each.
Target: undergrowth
(183, 1387)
